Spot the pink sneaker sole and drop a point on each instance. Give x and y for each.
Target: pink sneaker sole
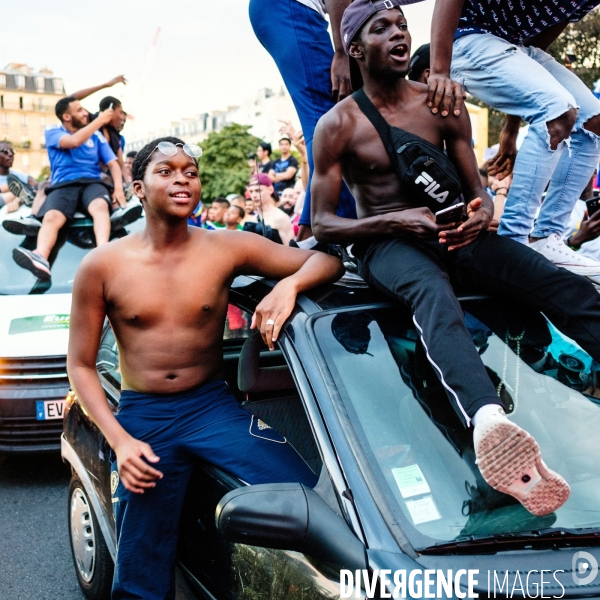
(510, 461)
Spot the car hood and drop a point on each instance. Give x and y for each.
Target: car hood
(34, 325)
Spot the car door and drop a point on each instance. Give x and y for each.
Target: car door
(227, 570)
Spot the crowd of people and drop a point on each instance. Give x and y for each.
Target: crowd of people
(386, 154)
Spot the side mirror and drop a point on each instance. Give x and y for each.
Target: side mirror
(289, 516)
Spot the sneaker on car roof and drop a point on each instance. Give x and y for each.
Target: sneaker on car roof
(556, 251)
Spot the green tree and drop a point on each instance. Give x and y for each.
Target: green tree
(224, 163)
(583, 40)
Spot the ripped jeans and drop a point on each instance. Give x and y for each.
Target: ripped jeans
(529, 83)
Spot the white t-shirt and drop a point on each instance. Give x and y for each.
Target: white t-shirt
(318, 5)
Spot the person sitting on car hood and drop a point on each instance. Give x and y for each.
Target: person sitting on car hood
(404, 253)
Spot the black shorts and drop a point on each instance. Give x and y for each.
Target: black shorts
(70, 197)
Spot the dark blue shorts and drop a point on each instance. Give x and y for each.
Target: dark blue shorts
(205, 423)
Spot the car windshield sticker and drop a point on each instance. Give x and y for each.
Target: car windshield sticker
(410, 481)
(423, 510)
(38, 323)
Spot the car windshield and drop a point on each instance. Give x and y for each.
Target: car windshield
(73, 243)
(419, 451)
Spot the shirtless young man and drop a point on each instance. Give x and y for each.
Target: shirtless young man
(168, 314)
(402, 251)
(262, 193)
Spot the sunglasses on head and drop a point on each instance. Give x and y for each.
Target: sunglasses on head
(170, 149)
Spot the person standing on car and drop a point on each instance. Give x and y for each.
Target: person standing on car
(316, 74)
(497, 51)
(403, 252)
(168, 314)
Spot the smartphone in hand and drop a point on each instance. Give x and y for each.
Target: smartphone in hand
(593, 204)
(452, 214)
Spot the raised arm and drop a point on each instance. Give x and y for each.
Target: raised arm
(299, 270)
(443, 92)
(88, 311)
(85, 133)
(81, 94)
(340, 65)
(117, 177)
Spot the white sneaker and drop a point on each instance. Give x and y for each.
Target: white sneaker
(510, 461)
(556, 251)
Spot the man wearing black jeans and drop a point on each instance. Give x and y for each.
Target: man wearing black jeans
(405, 254)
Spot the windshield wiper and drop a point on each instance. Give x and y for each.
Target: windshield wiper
(538, 540)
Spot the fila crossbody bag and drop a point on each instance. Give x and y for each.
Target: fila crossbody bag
(427, 176)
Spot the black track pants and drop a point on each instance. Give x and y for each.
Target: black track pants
(422, 274)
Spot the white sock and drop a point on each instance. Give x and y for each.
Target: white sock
(308, 243)
(488, 412)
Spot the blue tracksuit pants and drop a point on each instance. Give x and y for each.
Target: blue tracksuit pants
(205, 423)
(296, 38)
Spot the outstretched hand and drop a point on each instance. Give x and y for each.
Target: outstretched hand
(272, 312)
(106, 116)
(117, 79)
(135, 472)
(287, 128)
(478, 220)
(503, 164)
(445, 95)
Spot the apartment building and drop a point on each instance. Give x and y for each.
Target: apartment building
(27, 100)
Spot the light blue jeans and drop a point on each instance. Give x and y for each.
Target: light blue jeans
(529, 83)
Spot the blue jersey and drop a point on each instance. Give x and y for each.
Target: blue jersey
(517, 20)
(67, 164)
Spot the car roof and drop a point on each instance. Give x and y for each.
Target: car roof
(250, 290)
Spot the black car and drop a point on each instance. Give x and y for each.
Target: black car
(351, 388)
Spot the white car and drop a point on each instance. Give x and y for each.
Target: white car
(34, 331)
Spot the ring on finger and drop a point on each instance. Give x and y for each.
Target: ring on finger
(270, 322)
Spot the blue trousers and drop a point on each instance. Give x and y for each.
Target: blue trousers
(205, 423)
(296, 37)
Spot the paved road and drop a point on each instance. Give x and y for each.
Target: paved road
(35, 559)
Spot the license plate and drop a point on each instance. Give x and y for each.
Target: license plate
(49, 409)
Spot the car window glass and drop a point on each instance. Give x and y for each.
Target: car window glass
(420, 451)
(237, 323)
(107, 361)
(73, 243)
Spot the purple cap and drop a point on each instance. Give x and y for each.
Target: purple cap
(359, 12)
(261, 179)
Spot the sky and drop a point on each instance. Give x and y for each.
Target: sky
(206, 56)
